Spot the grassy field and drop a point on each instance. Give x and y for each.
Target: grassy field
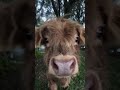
(41, 82)
(114, 73)
(79, 82)
(9, 72)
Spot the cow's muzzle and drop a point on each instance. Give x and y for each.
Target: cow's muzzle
(64, 67)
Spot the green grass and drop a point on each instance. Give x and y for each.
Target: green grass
(114, 73)
(41, 81)
(9, 72)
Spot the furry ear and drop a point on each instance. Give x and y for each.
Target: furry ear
(40, 36)
(81, 34)
(37, 37)
(24, 14)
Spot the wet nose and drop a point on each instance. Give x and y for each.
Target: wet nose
(64, 67)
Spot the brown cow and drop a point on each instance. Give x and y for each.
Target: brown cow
(17, 31)
(61, 38)
(102, 32)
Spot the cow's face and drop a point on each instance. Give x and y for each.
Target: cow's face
(25, 24)
(61, 38)
(16, 29)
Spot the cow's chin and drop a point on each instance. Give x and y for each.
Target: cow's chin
(60, 77)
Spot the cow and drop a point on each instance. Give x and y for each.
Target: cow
(102, 33)
(95, 54)
(62, 39)
(17, 32)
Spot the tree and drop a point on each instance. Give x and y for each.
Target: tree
(46, 9)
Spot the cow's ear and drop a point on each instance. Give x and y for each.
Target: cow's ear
(24, 12)
(81, 34)
(40, 36)
(44, 35)
(37, 37)
(24, 15)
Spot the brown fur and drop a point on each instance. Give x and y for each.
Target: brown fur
(60, 35)
(37, 37)
(17, 30)
(96, 60)
(106, 15)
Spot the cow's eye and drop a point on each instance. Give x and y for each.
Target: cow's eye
(44, 41)
(28, 34)
(77, 40)
(100, 32)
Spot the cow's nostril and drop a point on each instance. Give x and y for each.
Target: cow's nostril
(55, 66)
(72, 66)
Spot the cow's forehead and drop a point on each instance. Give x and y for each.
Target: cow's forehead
(58, 27)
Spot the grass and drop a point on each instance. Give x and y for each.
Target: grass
(41, 81)
(114, 73)
(9, 72)
(79, 82)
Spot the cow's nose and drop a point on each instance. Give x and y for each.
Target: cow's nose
(64, 67)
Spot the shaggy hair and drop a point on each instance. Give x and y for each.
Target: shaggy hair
(60, 37)
(102, 33)
(17, 31)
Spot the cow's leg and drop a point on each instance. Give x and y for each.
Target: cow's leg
(52, 85)
(28, 71)
(93, 81)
